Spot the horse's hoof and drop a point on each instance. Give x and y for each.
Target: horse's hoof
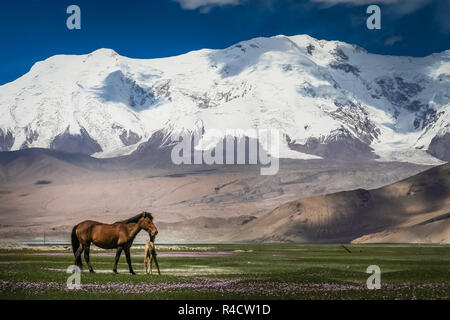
(115, 272)
(132, 272)
(91, 271)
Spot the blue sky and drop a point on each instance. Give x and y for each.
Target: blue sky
(33, 30)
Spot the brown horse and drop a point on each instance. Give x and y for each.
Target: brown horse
(118, 235)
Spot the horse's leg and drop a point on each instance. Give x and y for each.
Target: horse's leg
(127, 255)
(86, 257)
(150, 263)
(78, 254)
(145, 264)
(156, 260)
(118, 253)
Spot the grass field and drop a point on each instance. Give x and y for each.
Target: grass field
(251, 271)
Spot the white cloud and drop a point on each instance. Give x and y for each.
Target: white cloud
(354, 2)
(400, 6)
(393, 40)
(206, 5)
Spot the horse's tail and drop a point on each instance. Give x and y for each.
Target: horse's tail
(75, 246)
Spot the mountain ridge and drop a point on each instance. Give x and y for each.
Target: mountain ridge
(328, 99)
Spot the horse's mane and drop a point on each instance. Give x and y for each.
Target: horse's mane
(136, 218)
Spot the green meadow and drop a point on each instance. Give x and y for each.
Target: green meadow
(234, 271)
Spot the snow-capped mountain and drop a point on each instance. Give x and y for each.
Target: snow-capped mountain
(327, 98)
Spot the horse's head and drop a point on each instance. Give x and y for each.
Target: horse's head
(146, 223)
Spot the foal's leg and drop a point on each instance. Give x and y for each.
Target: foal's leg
(118, 253)
(152, 255)
(86, 257)
(145, 264)
(127, 255)
(146, 251)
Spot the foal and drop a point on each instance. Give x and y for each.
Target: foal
(149, 254)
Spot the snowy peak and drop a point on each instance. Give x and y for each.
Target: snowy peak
(327, 98)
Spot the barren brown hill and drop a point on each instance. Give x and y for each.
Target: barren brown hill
(413, 210)
(48, 191)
